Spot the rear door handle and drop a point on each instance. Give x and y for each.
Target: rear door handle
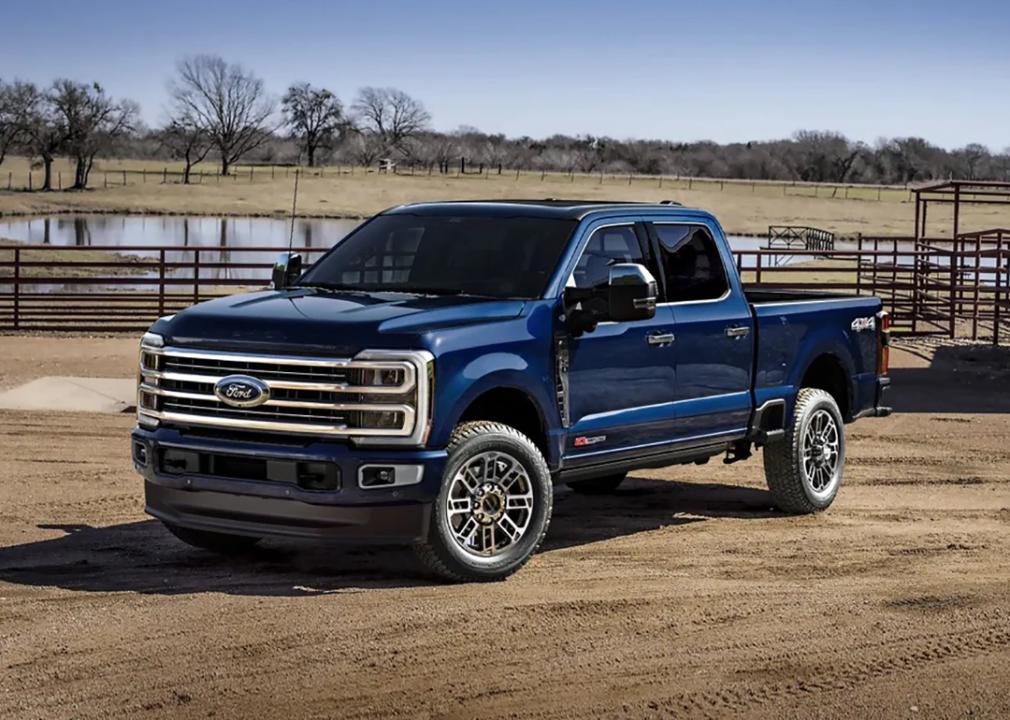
(737, 331)
(659, 339)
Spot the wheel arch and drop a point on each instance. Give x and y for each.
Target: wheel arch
(829, 371)
(509, 403)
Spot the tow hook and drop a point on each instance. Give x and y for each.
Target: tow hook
(739, 451)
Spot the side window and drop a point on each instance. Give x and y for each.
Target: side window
(607, 246)
(691, 263)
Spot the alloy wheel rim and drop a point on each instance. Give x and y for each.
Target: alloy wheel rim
(821, 453)
(489, 506)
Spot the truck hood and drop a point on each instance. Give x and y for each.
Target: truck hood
(308, 320)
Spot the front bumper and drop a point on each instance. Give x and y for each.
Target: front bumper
(264, 508)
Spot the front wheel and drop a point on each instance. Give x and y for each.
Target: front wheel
(804, 470)
(494, 506)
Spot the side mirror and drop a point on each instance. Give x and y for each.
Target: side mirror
(631, 293)
(287, 269)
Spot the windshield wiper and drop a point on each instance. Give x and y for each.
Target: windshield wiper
(333, 286)
(406, 290)
(439, 291)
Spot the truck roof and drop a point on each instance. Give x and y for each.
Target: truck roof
(547, 207)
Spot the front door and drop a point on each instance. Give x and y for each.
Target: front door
(621, 376)
(714, 332)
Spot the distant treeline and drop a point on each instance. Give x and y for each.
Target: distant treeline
(222, 112)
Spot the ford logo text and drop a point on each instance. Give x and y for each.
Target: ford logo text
(241, 391)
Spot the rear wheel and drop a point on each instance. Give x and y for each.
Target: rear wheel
(494, 506)
(804, 471)
(220, 543)
(598, 485)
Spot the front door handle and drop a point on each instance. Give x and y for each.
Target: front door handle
(660, 339)
(737, 331)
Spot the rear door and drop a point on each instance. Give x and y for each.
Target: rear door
(621, 376)
(714, 330)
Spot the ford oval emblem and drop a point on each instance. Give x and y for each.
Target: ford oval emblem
(241, 391)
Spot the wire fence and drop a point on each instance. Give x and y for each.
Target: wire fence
(31, 179)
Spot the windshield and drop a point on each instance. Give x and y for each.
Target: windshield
(467, 255)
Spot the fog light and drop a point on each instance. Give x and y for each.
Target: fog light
(377, 476)
(140, 454)
(383, 476)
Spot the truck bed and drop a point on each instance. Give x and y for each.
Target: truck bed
(794, 327)
(761, 297)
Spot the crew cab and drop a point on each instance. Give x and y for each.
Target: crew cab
(433, 376)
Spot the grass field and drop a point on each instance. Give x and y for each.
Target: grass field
(742, 206)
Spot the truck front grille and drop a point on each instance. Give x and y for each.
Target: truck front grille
(374, 394)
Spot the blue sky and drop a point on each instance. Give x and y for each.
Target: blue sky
(709, 69)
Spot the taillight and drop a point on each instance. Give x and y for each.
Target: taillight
(883, 342)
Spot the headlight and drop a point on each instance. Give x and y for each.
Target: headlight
(147, 377)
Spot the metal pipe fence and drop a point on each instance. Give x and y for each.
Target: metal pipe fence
(939, 287)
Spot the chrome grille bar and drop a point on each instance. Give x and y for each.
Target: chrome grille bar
(317, 395)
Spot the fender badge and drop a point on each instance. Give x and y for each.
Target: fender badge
(583, 440)
(864, 323)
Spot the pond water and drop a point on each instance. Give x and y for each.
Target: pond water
(228, 241)
(181, 231)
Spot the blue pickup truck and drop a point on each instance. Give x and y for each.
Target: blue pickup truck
(434, 375)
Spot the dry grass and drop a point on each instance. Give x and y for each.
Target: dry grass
(743, 207)
(73, 263)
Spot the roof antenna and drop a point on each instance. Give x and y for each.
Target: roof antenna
(294, 208)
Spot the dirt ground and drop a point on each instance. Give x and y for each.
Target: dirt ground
(683, 595)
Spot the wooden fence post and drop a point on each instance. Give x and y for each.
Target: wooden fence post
(164, 176)
(29, 181)
(124, 178)
(59, 180)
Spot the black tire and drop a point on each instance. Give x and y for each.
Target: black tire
(599, 485)
(447, 558)
(220, 543)
(792, 489)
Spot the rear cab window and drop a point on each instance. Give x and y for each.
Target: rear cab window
(689, 259)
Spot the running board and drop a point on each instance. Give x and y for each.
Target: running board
(678, 456)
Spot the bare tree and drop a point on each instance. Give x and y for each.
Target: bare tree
(824, 156)
(45, 132)
(391, 115)
(186, 141)
(226, 101)
(93, 121)
(11, 117)
(315, 117)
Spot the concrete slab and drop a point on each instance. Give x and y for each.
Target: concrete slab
(72, 394)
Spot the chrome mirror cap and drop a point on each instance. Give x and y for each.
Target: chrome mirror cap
(287, 269)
